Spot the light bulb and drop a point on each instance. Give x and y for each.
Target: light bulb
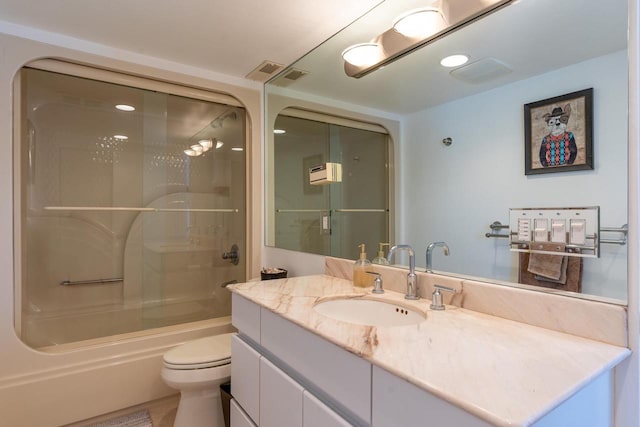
(420, 23)
(363, 54)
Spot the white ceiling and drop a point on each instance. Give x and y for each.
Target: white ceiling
(230, 37)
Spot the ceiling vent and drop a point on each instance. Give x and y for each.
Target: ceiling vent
(265, 71)
(481, 71)
(290, 76)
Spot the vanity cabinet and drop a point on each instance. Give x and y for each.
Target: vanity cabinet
(265, 395)
(285, 375)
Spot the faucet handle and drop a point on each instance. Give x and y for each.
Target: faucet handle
(377, 283)
(436, 297)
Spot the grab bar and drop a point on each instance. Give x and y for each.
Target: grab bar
(91, 282)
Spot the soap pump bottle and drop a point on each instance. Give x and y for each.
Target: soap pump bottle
(381, 259)
(360, 268)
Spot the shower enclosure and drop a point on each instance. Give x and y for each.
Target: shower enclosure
(130, 205)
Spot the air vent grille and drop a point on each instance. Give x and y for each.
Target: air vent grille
(265, 71)
(289, 77)
(481, 71)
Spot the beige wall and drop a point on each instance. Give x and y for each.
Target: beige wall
(45, 389)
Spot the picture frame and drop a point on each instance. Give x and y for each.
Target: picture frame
(558, 133)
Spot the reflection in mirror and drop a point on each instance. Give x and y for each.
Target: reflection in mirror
(331, 186)
(453, 192)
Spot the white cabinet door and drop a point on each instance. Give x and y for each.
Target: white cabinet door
(397, 403)
(245, 377)
(280, 398)
(344, 377)
(238, 417)
(317, 414)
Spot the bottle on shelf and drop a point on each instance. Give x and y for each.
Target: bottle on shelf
(381, 259)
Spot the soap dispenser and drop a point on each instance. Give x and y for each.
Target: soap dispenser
(360, 268)
(381, 259)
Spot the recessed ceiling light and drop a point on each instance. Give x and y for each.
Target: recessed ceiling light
(454, 60)
(363, 54)
(125, 107)
(279, 131)
(120, 137)
(237, 149)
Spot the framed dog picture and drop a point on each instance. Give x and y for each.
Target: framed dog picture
(558, 133)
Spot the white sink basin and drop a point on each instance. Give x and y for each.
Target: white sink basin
(369, 312)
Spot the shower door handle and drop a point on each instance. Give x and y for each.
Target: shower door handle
(233, 255)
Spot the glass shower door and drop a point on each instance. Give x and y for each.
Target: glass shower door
(132, 208)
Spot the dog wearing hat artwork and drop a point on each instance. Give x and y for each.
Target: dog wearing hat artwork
(558, 147)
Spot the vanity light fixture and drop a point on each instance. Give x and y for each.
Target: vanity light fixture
(219, 144)
(413, 30)
(125, 107)
(454, 60)
(363, 54)
(206, 144)
(421, 23)
(120, 137)
(197, 148)
(191, 153)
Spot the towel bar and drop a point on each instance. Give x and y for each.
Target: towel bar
(497, 225)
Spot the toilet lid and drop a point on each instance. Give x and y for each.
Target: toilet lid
(201, 353)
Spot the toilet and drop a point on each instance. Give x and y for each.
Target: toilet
(197, 368)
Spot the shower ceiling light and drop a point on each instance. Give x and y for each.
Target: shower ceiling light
(414, 30)
(125, 107)
(120, 137)
(420, 23)
(279, 131)
(237, 149)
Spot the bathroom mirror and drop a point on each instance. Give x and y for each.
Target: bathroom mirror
(460, 156)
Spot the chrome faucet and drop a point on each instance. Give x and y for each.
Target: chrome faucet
(412, 281)
(430, 251)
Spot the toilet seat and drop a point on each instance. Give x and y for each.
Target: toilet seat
(202, 353)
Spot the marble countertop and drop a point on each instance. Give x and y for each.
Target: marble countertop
(476, 361)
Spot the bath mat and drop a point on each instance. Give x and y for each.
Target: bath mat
(136, 419)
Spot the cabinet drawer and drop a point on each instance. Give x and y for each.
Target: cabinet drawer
(245, 316)
(245, 377)
(280, 398)
(397, 403)
(317, 414)
(343, 378)
(238, 417)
